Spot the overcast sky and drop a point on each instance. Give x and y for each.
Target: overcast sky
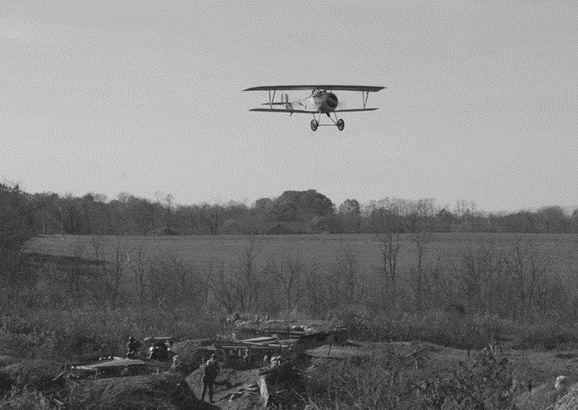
(145, 96)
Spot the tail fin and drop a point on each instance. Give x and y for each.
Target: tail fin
(288, 105)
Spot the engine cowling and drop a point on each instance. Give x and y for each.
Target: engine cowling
(331, 101)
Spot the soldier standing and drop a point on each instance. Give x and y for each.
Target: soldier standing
(132, 347)
(210, 374)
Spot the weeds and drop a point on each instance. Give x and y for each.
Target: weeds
(546, 336)
(375, 382)
(483, 383)
(391, 381)
(434, 326)
(25, 399)
(87, 331)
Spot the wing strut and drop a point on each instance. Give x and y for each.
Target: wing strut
(271, 98)
(364, 97)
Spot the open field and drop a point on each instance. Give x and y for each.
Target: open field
(527, 276)
(498, 278)
(561, 249)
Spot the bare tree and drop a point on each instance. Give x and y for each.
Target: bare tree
(345, 278)
(421, 240)
(174, 282)
(213, 217)
(389, 247)
(118, 269)
(246, 273)
(288, 278)
(139, 271)
(167, 202)
(222, 287)
(529, 266)
(478, 275)
(315, 290)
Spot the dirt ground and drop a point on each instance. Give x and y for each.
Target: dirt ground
(229, 383)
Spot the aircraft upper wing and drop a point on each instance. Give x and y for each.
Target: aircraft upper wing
(367, 88)
(284, 110)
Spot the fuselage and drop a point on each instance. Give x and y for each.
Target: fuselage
(325, 101)
(320, 100)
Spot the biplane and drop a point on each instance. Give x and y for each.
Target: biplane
(322, 100)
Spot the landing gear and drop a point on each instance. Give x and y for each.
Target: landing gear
(339, 123)
(314, 124)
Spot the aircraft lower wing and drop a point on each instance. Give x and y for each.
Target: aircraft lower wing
(355, 109)
(308, 111)
(332, 87)
(284, 110)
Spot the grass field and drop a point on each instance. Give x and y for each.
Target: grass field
(512, 276)
(75, 329)
(561, 249)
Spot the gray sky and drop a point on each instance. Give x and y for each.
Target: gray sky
(145, 96)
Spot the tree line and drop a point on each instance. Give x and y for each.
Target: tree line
(515, 281)
(94, 214)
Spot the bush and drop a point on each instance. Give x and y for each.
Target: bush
(37, 374)
(25, 399)
(88, 331)
(157, 391)
(382, 381)
(483, 383)
(546, 336)
(434, 326)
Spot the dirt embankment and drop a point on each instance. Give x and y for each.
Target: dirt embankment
(156, 391)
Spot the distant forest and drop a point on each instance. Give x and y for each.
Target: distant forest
(292, 212)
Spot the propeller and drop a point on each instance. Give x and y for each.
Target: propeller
(345, 104)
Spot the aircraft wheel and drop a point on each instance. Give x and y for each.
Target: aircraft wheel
(340, 124)
(314, 124)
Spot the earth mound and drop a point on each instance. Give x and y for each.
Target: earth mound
(37, 374)
(155, 391)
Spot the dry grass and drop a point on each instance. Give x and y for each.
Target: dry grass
(547, 335)
(37, 374)
(434, 326)
(56, 333)
(321, 249)
(375, 382)
(25, 399)
(164, 392)
(389, 379)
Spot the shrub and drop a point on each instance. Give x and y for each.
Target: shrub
(382, 381)
(546, 336)
(434, 326)
(483, 383)
(25, 399)
(36, 374)
(89, 331)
